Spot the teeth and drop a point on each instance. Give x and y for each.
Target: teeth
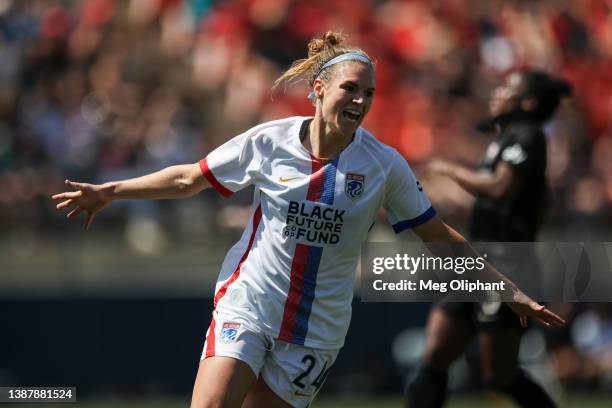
(352, 115)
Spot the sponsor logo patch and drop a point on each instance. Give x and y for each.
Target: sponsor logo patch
(354, 185)
(229, 332)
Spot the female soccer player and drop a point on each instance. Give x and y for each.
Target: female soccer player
(283, 297)
(511, 199)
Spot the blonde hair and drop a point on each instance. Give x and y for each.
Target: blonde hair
(320, 51)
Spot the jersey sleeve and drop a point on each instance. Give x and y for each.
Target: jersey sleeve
(234, 165)
(522, 153)
(406, 203)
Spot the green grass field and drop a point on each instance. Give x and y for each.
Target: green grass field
(596, 401)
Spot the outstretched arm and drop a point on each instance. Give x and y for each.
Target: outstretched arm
(172, 182)
(435, 230)
(494, 185)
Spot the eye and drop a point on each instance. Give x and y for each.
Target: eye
(369, 93)
(348, 87)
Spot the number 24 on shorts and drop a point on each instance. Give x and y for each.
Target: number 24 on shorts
(309, 361)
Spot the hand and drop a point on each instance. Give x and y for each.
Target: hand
(87, 197)
(526, 307)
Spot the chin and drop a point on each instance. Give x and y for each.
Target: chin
(340, 128)
(348, 130)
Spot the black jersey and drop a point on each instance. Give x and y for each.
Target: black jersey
(518, 215)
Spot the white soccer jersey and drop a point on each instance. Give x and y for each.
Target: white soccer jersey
(292, 271)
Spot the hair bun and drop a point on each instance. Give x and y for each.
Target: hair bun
(327, 40)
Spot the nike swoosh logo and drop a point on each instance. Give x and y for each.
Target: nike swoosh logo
(284, 180)
(299, 394)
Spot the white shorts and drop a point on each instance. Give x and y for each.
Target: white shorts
(295, 373)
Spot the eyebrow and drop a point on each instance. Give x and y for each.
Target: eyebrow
(349, 82)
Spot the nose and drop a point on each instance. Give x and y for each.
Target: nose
(359, 99)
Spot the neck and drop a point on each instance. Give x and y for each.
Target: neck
(511, 118)
(322, 142)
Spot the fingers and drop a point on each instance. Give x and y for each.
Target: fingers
(67, 195)
(64, 204)
(543, 313)
(74, 184)
(525, 319)
(547, 318)
(70, 194)
(74, 212)
(551, 317)
(90, 217)
(70, 199)
(539, 313)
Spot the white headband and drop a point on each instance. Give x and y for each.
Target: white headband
(349, 56)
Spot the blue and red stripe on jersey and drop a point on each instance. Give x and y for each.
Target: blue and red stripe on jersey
(301, 294)
(306, 259)
(322, 184)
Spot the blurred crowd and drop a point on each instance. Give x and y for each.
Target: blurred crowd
(94, 90)
(101, 89)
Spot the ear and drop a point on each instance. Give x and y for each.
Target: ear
(529, 104)
(318, 88)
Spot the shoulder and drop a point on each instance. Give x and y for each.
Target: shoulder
(526, 134)
(385, 156)
(275, 129)
(266, 137)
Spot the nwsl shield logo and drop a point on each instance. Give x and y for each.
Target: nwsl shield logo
(229, 332)
(354, 184)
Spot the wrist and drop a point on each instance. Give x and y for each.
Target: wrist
(108, 191)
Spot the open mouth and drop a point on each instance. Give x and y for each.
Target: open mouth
(351, 115)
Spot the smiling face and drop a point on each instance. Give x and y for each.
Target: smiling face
(345, 99)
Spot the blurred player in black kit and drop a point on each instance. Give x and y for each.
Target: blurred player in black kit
(511, 198)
